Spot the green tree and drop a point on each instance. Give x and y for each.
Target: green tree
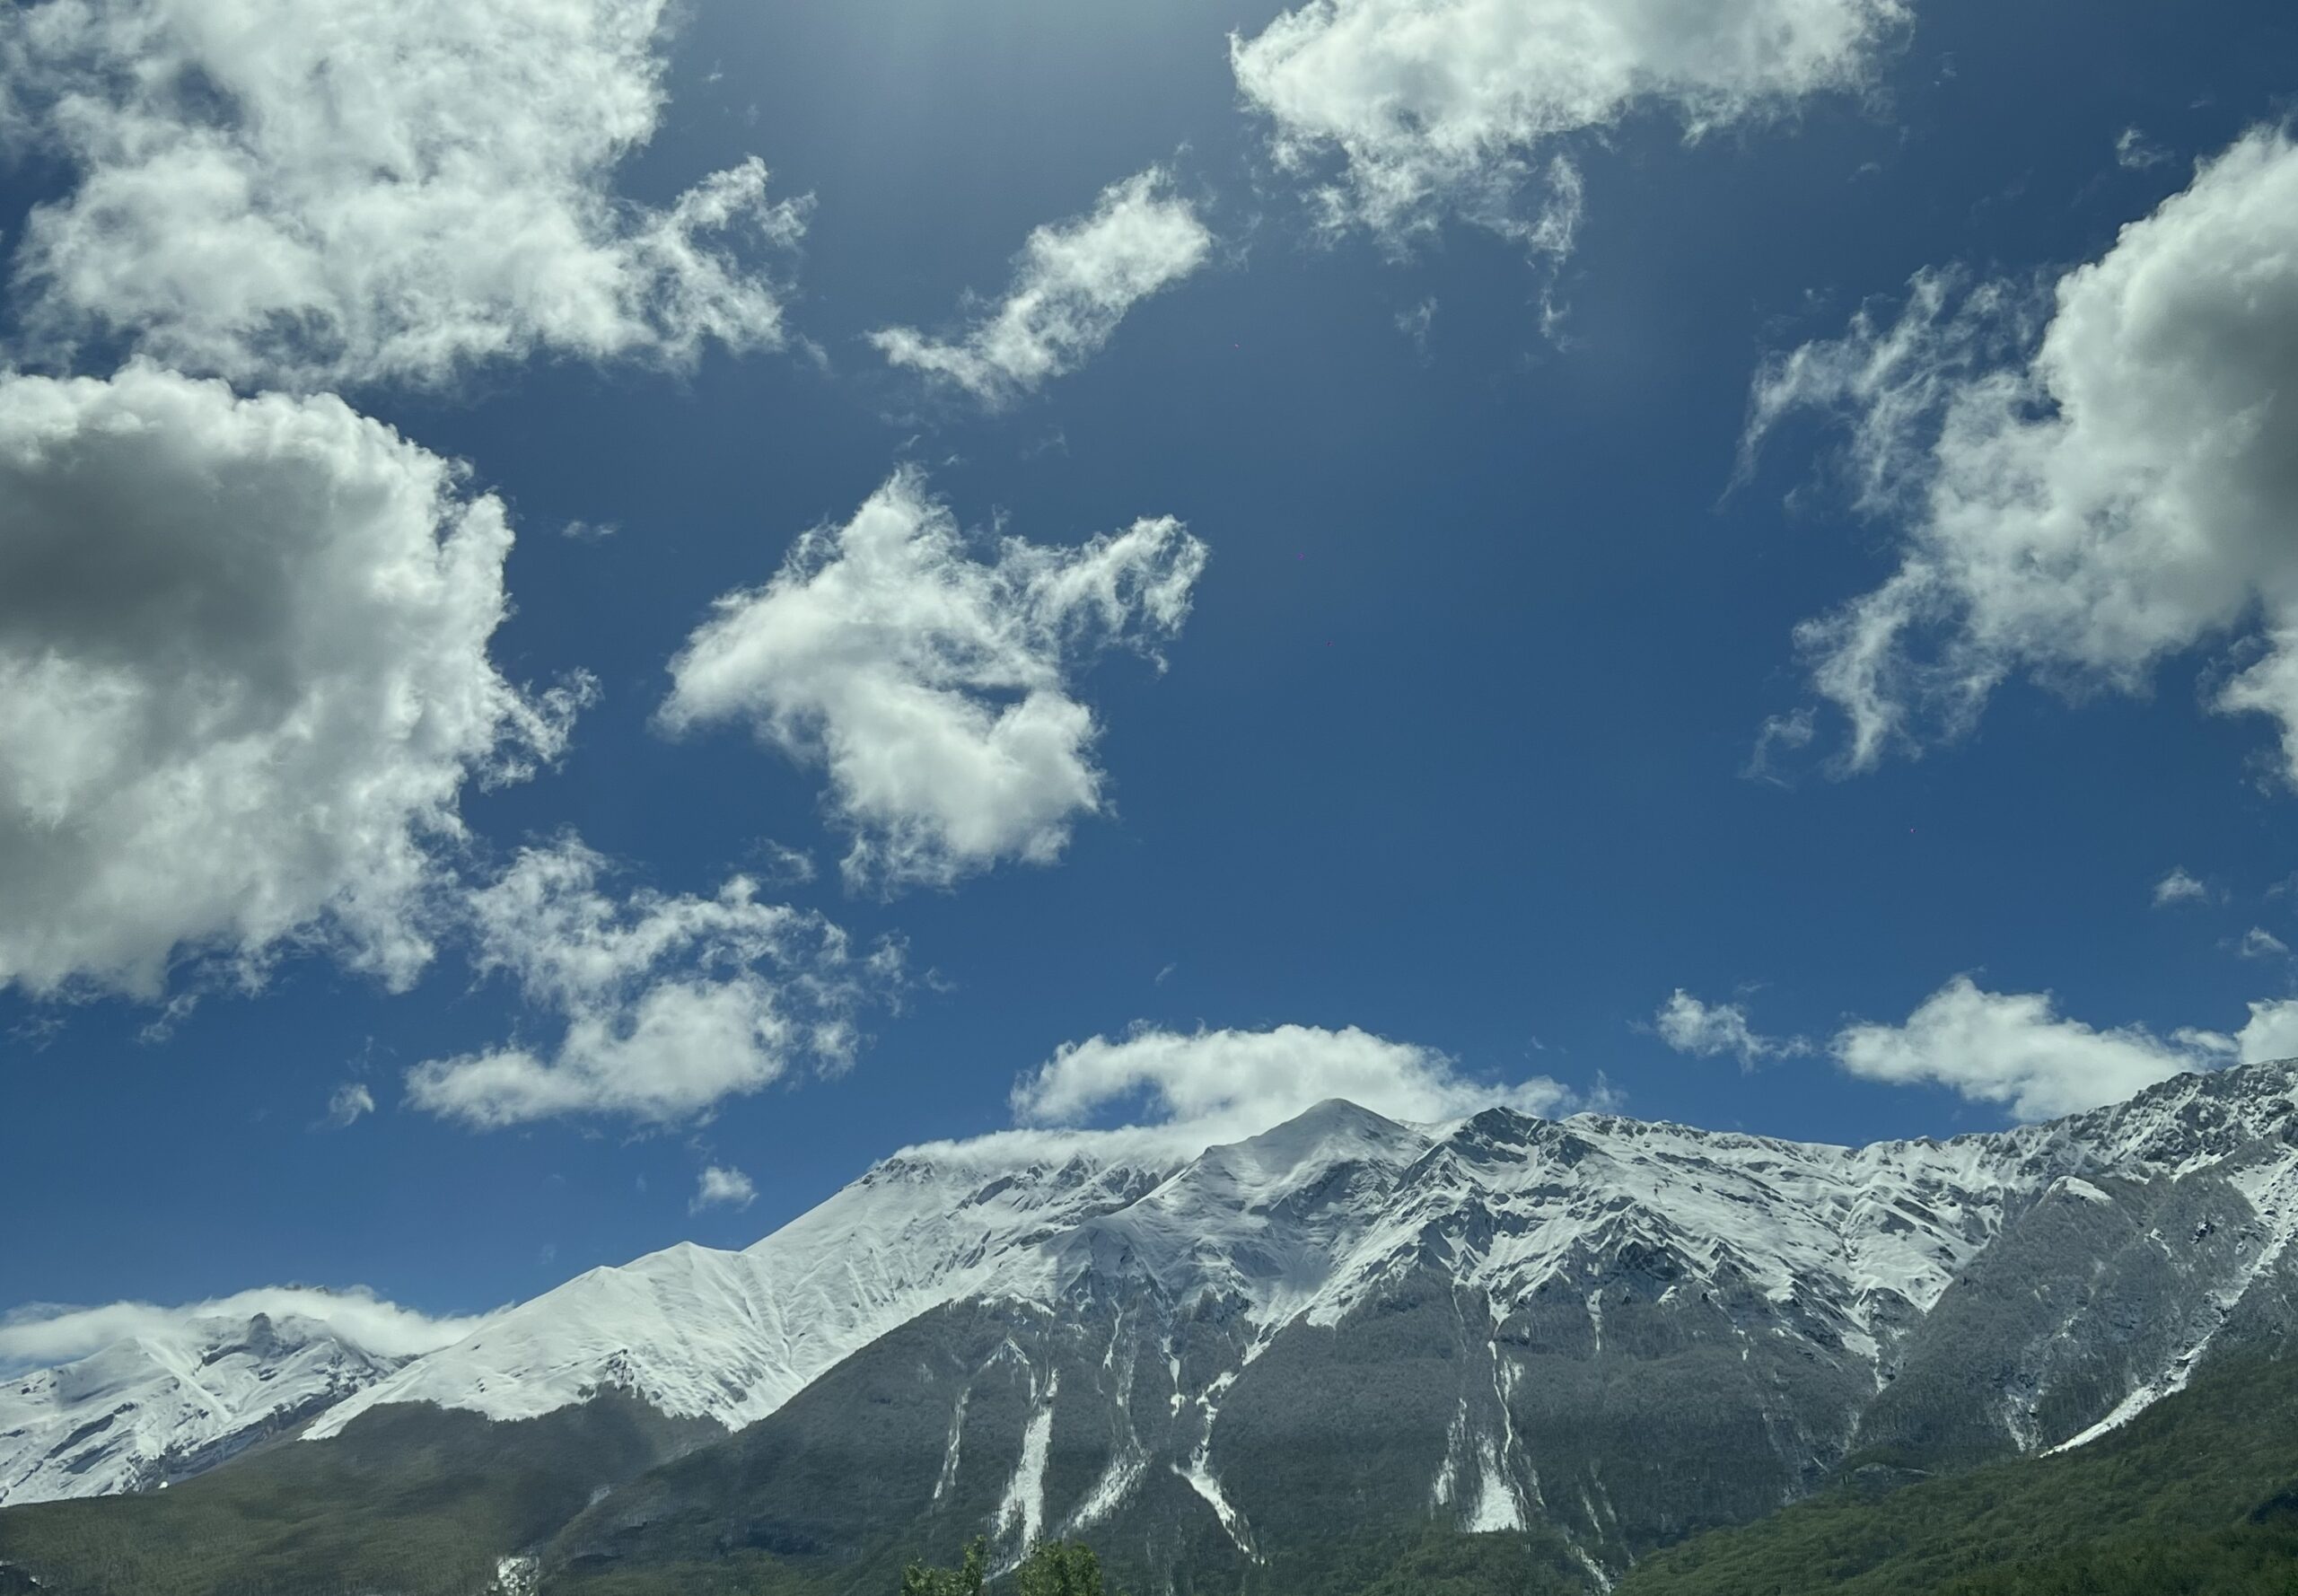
(965, 1580)
(1061, 1568)
(1052, 1568)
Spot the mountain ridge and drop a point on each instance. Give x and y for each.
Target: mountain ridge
(1596, 1218)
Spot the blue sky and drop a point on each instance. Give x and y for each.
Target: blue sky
(1454, 743)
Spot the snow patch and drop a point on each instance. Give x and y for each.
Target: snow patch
(1595, 1570)
(949, 1475)
(1125, 1470)
(2137, 1402)
(1497, 1507)
(1455, 1446)
(1024, 1499)
(1201, 1480)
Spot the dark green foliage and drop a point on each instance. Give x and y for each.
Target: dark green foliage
(1430, 1560)
(964, 1580)
(1059, 1568)
(1052, 1568)
(407, 1501)
(2193, 1498)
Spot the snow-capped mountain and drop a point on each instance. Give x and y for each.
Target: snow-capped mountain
(172, 1401)
(1615, 1329)
(1304, 1222)
(1603, 1333)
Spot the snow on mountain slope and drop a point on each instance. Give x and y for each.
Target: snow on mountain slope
(732, 1336)
(169, 1402)
(1266, 1220)
(1309, 1219)
(1849, 1248)
(1510, 1203)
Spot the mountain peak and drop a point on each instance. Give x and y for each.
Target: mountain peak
(1335, 1122)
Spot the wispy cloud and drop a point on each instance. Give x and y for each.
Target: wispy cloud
(348, 1102)
(1416, 322)
(1705, 1029)
(1073, 284)
(2258, 942)
(2135, 152)
(2178, 887)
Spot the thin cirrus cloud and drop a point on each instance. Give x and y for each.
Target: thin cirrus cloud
(1072, 282)
(2017, 1050)
(1706, 1029)
(933, 686)
(2086, 482)
(244, 678)
(285, 194)
(662, 1005)
(1437, 107)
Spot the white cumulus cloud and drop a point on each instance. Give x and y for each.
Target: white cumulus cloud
(1199, 1089)
(720, 1188)
(2270, 1034)
(243, 679)
(1436, 105)
(1689, 1026)
(2016, 1050)
(41, 1336)
(281, 192)
(2081, 502)
(932, 686)
(1073, 284)
(662, 1005)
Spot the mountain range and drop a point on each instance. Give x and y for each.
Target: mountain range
(1234, 1366)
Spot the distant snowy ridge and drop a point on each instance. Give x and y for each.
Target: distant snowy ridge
(172, 1401)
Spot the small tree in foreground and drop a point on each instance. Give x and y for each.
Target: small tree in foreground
(965, 1580)
(1052, 1568)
